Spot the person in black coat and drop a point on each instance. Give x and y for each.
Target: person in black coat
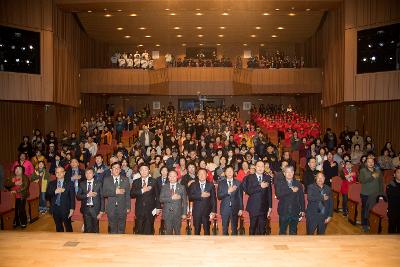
(259, 204)
(83, 154)
(202, 194)
(61, 194)
(310, 173)
(90, 193)
(74, 174)
(144, 190)
(231, 195)
(393, 198)
(291, 209)
(330, 168)
(160, 182)
(320, 206)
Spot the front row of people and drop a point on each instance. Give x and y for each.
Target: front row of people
(197, 199)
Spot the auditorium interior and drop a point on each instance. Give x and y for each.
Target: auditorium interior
(208, 85)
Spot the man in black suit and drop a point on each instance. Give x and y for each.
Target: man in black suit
(231, 195)
(116, 190)
(160, 182)
(259, 204)
(90, 193)
(202, 194)
(144, 190)
(75, 174)
(290, 194)
(61, 195)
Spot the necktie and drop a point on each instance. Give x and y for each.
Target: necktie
(90, 199)
(58, 199)
(202, 187)
(290, 183)
(143, 182)
(172, 189)
(259, 178)
(163, 181)
(229, 183)
(321, 205)
(116, 182)
(76, 183)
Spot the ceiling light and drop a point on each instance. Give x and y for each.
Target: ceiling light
(105, 9)
(253, 36)
(89, 11)
(280, 28)
(258, 28)
(177, 28)
(225, 14)
(157, 45)
(274, 36)
(183, 44)
(221, 35)
(127, 36)
(167, 9)
(201, 44)
(218, 44)
(292, 14)
(199, 14)
(262, 44)
(222, 27)
(199, 27)
(172, 14)
(197, 9)
(266, 14)
(119, 10)
(142, 28)
(30, 47)
(308, 9)
(133, 15)
(148, 36)
(244, 44)
(277, 9)
(107, 15)
(140, 45)
(292, 7)
(179, 36)
(200, 35)
(120, 28)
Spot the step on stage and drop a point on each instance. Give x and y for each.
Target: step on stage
(73, 249)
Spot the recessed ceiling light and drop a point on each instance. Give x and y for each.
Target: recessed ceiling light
(197, 9)
(280, 28)
(274, 36)
(308, 9)
(200, 35)
(218, 44)
(266, 14)
(199, 27)
(201, 44)
(119, 10)
(225, 14)
(292, 14)
(292, 7)
(157, 45)
(120, 28)
(253, 36)
(133, 15)
(127, 36)
(140, 45)
(244, 44)
(199, 14)
(220, 35)
(142, 28)
(179, 36)
(258, 27)
(89, 11)
(177, 28)
(107, 15)
(105, 9)
(167, 9)
(172, 14)
(148, 36)
(222, 27)
(183, 44)
(262, 44)
(277, 9)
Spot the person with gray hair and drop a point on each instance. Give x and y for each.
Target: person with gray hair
(291, 207)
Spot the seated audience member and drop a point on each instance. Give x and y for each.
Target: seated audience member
(385, 161)
(320, 206)
(91, 146)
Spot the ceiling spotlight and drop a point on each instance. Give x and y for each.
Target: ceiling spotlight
(292, 8)
(127, 36)
(142, 28)
(201, 44)
(292, 14)
(89, 11)
(274, 36)
(148, 36)
(17, 60)
(218, 44)
(172, 14)
(258, 28)
(277, 9)
(23, 48)
(373, 58)
(364, 59)
(179, 36)
(220, 35)
(183, 44)
(133, 15)
(370, 45)
(225, 14)
(199, 14)
(222, 27)
(244, 44)
(167, 9)
(199, 27)
(105, 9)
(262, 44)
(119, 10)
(280, 28)
(107, 15)
(200, 35)
(140, 45)
(308, 9)
(27, 61)
(266, 14)
(120, 29)
(157, 45)
(177, 28)
(253, 36)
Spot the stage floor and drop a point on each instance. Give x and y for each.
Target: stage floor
(76, 249)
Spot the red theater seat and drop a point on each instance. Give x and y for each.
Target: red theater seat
(354, 202)
(7, 210)
(378, 218)
(336, 186)
(33, 201)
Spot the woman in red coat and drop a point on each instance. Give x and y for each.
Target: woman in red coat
(349, 177)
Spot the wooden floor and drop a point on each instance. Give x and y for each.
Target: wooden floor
(74, 249)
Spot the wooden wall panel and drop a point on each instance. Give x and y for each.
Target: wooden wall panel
(93, 54)
(377, 86)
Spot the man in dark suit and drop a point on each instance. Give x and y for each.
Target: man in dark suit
(231, 195)
(160, 182)
(116, 190)
(202, 194)
(61, 195)
(75, 174)
(320, 206)
(90, 193)
(144, 190)
(290, 194)
(259, 204)
(174, 199)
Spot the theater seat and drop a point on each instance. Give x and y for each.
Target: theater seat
(378, 218)
(336, 185)
(302, 166)
(7, 210)
(33, 202)
(387, 177)
(354, 203)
